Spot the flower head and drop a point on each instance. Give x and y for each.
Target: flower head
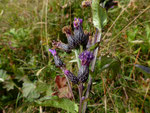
(53, 51)
(77, 22)
(86, 57)
(71, 76)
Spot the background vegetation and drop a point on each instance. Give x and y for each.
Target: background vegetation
(27, 70)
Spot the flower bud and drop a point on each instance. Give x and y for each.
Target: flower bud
(57, 60)
(70, 38)
(71, 76)
(83, 73)
(61, 45)
(79, 35)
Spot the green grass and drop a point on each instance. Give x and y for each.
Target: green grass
(27, 28)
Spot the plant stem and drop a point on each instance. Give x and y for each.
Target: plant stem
(97, 39)
(80, 88)
(87, 94)
(70, 87)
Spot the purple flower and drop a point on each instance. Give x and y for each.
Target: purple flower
(86, 57)
(77, 22)
(71, 76)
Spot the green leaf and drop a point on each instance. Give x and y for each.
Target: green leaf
(62, 103)
(132, 34)
(99, 15)
(42, 87)
(9, 84)
(3, 75)
(29, 90)
(147, 31)
(74, 60)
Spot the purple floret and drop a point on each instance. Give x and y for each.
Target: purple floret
(77, 22)
(86, 57)
(53, 51)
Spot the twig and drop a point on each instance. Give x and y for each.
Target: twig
(145, 95)
(46, 10)
(41, 34)
(105, 97)
(137, 56)
(41, 111)
(111, 97)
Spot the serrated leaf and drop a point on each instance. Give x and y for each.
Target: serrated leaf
(62, 103)
(3, 75)
(41, 87)
(99, 15)
(29, 90)
(9, 85)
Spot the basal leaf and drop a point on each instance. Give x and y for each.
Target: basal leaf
(29, 90)
(99, 15)
(62, 103)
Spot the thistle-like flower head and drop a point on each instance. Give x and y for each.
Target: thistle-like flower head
(77, 22)
(71, 76)
(86, 57)
(53, 51)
